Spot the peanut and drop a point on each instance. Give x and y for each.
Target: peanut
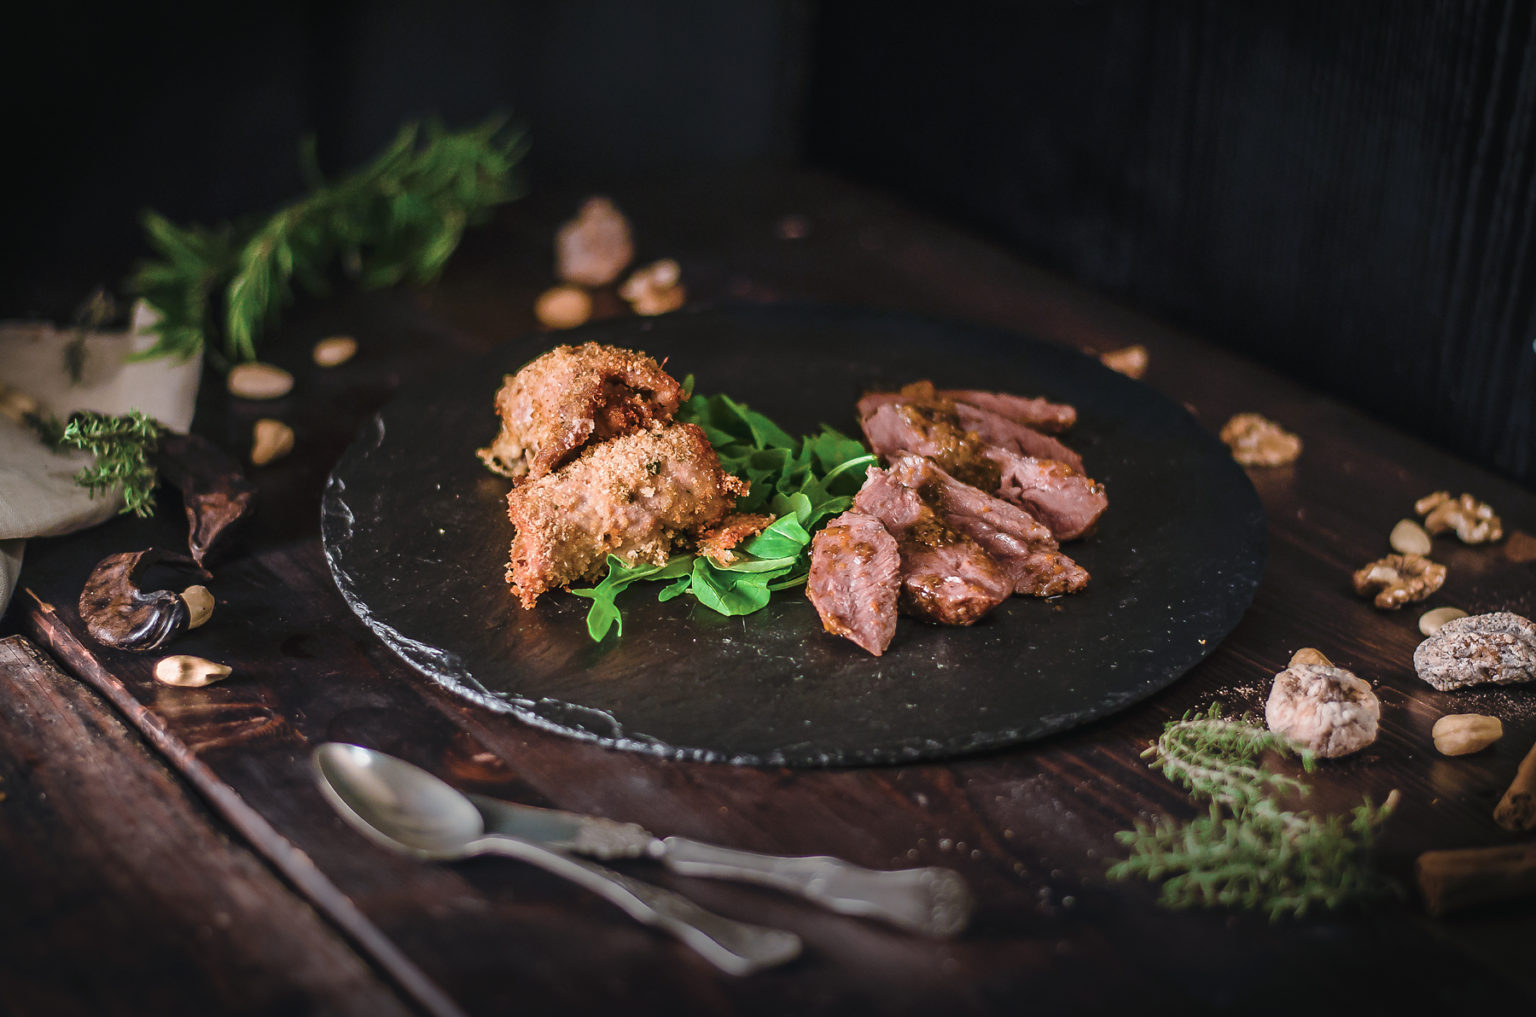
(1458, 734)
(259, 381)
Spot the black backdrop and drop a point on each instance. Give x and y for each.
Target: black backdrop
(1347, 191)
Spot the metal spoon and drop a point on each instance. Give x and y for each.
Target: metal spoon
(406, 808)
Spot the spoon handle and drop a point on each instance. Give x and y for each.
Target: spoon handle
(933, 901)
(734, 947)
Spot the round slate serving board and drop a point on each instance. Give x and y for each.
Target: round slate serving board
(416, 534)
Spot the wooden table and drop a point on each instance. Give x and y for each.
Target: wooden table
(172, 855)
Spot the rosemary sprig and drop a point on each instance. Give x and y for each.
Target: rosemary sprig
(1248, 851)
(398, 218)
(122, 447)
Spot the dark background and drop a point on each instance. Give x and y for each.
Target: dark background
(1345, 191)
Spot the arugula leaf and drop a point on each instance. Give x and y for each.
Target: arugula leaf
(729, 592)
(803, 482)
(604, 613)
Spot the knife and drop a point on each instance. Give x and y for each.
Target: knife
(932, 901)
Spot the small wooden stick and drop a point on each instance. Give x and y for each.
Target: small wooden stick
(1452, 880)
(1517, 809)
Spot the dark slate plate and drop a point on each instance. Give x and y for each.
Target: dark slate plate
(416, 534)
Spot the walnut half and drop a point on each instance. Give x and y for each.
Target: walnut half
(1257, 441)
(1474, 521)
(1399, 579)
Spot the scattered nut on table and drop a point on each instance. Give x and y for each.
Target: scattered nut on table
(259, 381)
(15, 405)
(270, 440)
(1130, 361)
(563, 307)
(1399, 579)
(593, 248)
(1408, 537)
(1480, 649)
(1431, 621)
(1328, 710)
(199, 601)
(1309, 655)
(656, 288)
(1461, 734)
(334, 350)
(186, 671)
(1257, 441)
(1474, 521)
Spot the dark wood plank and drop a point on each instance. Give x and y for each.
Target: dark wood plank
(1344, 191)
(122, 897)
(1032, 827)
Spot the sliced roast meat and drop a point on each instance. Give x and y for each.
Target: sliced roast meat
(1056, 494)
(943, 418)
(1016, 540)
(1041, 414)
(946, 576)
(1061, 497)
(907, 427)
(855, 580)
(995, 429)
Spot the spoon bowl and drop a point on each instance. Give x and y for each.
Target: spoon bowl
(397, 804)
(406, 808)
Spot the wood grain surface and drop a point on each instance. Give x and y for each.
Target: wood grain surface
(1031, 828)
(122, 896)
(1345, 191)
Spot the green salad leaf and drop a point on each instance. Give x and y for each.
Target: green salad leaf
(803, 482)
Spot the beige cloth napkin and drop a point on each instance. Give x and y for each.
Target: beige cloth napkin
(38, 495)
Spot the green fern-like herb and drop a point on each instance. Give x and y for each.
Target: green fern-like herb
(122, 447)
(397, 219)
(1248, 851)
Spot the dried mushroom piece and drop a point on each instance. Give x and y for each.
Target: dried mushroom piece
(118, 613)
(1327, 710)
(213, 488)
(1474, 521)
(1258, 441)
(593, 248)
(1480, 649)
(1399, 579)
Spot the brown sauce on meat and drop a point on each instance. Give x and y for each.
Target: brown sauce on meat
(957, 451)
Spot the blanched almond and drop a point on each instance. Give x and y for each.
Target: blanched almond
(1308, 655)
(186, 671)
(199, 605)
(259, 381)
(1408, 537)
(337, 349)
(270, 440)
(1430, 621)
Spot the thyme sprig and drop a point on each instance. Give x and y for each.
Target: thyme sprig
(1248, 851)
(398, 218)
(121, 446)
